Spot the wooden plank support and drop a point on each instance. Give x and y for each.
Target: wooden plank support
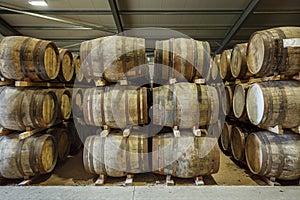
(196, 131)
(100, 83)
(38, 84)
(169, 181)
(126, 132)
(105, 131)
(4, 131)
(100, 181)
(29, 131)
(26, 182)
(276, 129)
(176, 131)
(270, 181)
(129, 180)
(199, 181)
(199, 81)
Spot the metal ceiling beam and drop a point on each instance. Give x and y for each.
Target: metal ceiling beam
(6, 29)
(115, 12)
(238, 24)
(84, 24)
(131, 12)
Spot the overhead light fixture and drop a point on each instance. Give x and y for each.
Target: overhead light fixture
(38, 2)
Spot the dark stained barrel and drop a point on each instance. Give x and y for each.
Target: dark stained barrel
(238, 142)
(31, 156)
(25, 57)
(21, 108)
(64, 100)
(226, 136)
(186, 156)
(116, 155)
(62, 138)
(274, 155)
(75, 140)
(227, 102)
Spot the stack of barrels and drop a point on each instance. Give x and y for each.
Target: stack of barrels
(262, 92)
(146, 112)
(36, 109)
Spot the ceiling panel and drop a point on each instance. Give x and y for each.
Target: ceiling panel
(278, 5)
(61, 4)
(64, 33)
(152, 20)
(273, 20)
(187, 4)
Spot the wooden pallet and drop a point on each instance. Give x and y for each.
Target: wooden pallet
(129, 181)
(41, 84)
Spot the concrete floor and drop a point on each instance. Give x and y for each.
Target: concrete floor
(150, 192)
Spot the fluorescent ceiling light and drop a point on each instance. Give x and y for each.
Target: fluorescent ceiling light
(38, 2)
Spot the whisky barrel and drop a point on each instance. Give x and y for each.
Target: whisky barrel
(274, 103)
(238, 63)
(267, 54)
(239, 101)
(66, 71)
(75, 140)
(64, 103)
(117, 107)
(182, 59)
(274, 155)
(31, 156)
(21, 108)
(77, 102)
(227, 101)
(114, 58)
(238, 141)
(62, 138)
(78, 75)
(25, 57)
(215, 73)
(186, 156)
(226, 136)
(225, 72)
(185, 105)
(116, 155)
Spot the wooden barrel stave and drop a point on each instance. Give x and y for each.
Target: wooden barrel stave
(186, 156)
(274, 103)
(227, 103)
(24, 57)
(117, 155)
(64, 103)
(29, 157)
(27, 108)
(274, 155)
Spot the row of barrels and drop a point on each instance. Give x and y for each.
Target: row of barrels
(185, 105)
(265, 104)
(265, 153)
(268, 52)
(39, 153)
(116, 57)
(185, 157)
(38, 60)
(35, 108)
